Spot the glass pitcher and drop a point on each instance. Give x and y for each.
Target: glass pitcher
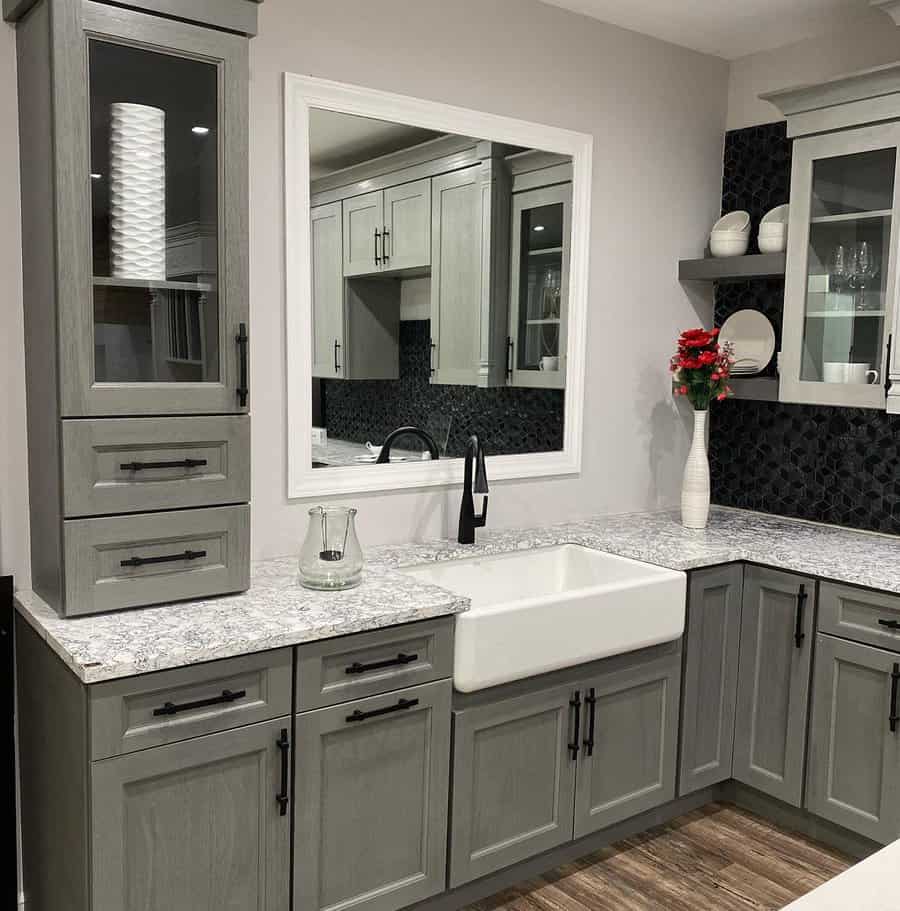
(331, 558)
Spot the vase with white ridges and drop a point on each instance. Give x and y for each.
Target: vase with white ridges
(137, 191)
(695, 489)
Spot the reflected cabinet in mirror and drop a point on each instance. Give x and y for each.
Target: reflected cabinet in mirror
(439, 287)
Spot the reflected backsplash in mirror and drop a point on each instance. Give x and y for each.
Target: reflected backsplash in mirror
(439, 269)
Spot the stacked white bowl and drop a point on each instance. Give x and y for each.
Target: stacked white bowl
(730, 235)
(772, 236)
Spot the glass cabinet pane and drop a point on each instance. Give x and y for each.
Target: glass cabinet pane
(540, 288)
(154, 189)
(847, 268)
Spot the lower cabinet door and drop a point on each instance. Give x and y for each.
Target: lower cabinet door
(712, 649)
(513, 781)
(628, 735)
(854, 756)
(372, 788)
(777, 622)
(194, 825)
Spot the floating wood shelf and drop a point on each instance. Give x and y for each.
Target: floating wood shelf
(150, 284)
(733, 268)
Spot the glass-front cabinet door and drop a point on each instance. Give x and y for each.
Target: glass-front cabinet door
(840, 287)
(541, 230)
(161, 289)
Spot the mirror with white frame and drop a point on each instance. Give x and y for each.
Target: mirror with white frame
(430, 286)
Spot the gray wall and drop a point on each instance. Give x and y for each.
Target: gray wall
(657, 114)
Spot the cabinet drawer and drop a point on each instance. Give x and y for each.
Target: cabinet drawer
(857, 613)
(148, 558)
(163, 707)
(140, 464)
(337, 670)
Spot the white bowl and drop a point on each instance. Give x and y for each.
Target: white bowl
(779, 229)
(730, 235)
(734, 221)
(721, 246)
(772, 243)
(777, 216)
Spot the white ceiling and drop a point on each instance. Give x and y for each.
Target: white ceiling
(726, 28)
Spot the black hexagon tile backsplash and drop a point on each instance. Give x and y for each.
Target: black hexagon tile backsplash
(838, 465)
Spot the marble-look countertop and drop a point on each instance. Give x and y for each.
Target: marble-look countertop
(276, 611)
(341, 453)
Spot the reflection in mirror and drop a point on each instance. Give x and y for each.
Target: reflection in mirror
(440, 272)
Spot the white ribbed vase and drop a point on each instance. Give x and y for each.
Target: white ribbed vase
(695, 488)
(137, 191)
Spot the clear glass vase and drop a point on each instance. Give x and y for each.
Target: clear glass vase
(331, 558)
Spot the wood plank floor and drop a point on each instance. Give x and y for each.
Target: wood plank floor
(718, 857)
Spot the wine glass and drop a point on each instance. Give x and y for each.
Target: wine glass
(839, 273)
(865, 270)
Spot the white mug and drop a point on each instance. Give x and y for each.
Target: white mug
(841, 372)
(548, 363)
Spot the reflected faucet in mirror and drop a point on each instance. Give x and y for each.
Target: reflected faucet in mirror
(385, 455)
(474, 462)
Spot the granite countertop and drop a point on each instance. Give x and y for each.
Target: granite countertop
(337, 453)
(276, 611)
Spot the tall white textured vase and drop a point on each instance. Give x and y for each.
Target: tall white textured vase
(137, 191)
(695, 488)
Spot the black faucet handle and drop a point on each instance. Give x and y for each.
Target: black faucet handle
(481, 520)
(481, 483)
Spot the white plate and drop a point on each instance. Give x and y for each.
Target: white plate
(753, 338)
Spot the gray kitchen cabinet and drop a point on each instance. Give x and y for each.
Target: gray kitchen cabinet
(629, 737)
(777, 624)
(709, 697)
(407, 226)
(513, 781)
(327, 277)
(372, 780)
(470, 274)
(194, 824)
(854, 747)
(363, 233)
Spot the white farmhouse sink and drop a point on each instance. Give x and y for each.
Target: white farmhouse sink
(539, 610)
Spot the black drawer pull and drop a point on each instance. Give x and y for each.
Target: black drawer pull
(399, 707)
(242, 387)
(591, 701)
(799, 635)
(282, 798)
(575, 703)
(893, 718)
(399, 661)
(890, 624)
(173, 708)
(183, 463)
(509, 357)
(337, 365)
(377, 257)
(169, 558)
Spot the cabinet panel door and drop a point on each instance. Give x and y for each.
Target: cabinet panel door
(457, 275)
(407, 225)
(193, 825)
(513, 782)
(712, 651)
(326, 260)
(363, 227)
(151, 304)
(854, 756)
(777, 625)
(628, 756)
(372, 791)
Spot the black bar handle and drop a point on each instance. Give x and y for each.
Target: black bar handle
(399, 707)
(431, 357)
(895, 684)
(890, 624)
(385, 257)
(888, 383)
(282, 798)
(799, 635)
(169, 558)
(337, 347)
(377, 257)
(575, 703)
(401, 659)
(242, 388)
(182, 463)
(509, 357)
(173, 708)
(590, 701)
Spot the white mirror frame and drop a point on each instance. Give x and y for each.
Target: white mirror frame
(304, 92)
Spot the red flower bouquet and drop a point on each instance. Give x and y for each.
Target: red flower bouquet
(701, 368)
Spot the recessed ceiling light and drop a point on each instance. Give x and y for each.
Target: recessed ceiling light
(95, 175)
(538, 228)
(200, 131)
